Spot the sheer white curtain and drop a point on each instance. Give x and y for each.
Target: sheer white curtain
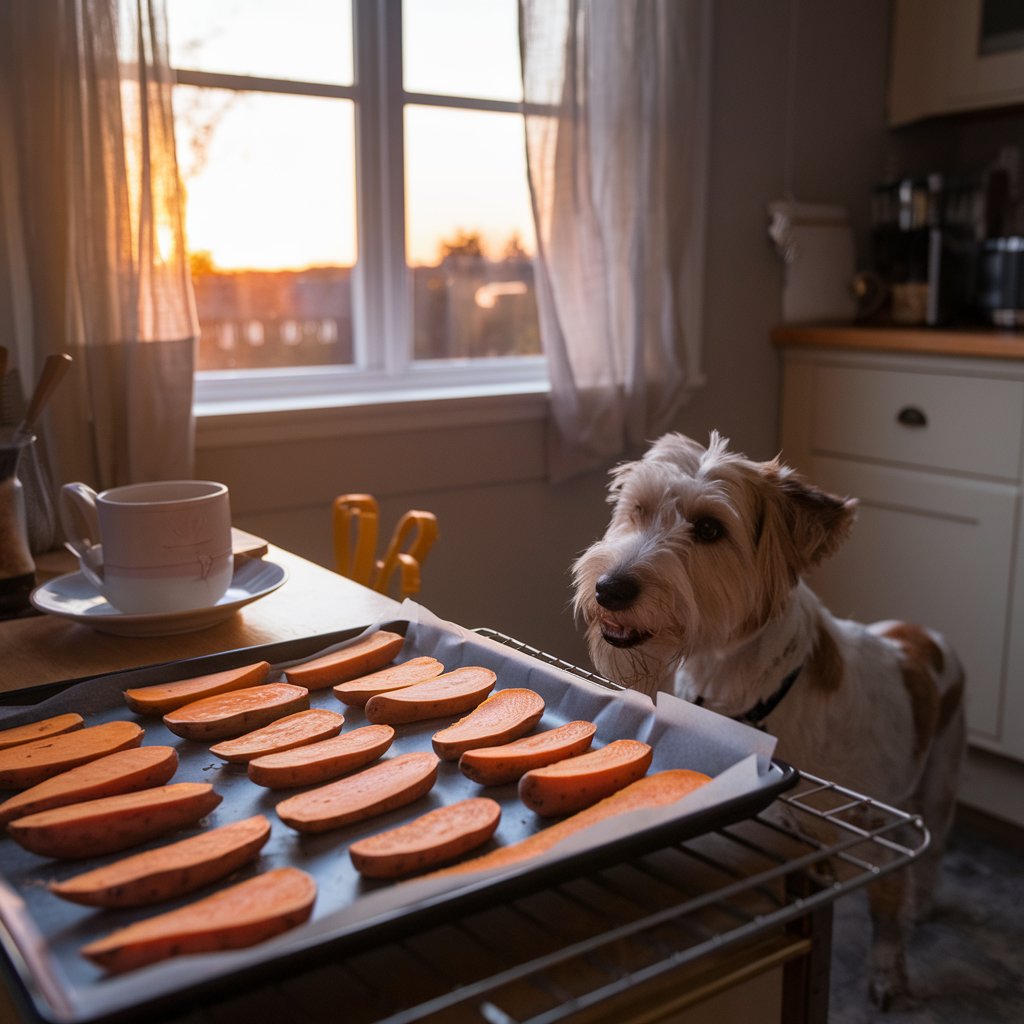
(92, 255)
(616, 108)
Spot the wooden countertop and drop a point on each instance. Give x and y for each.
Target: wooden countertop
(975, 342)
(39, 649)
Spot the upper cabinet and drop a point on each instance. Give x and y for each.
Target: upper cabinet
(954, 55)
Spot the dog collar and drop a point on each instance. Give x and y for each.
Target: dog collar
(763, 708)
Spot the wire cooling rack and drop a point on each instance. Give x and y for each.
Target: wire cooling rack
(666, 930)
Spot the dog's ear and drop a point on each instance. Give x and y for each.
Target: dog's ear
(818, 522)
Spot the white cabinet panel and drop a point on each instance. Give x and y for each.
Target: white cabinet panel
(933, 551)
(1012, 736)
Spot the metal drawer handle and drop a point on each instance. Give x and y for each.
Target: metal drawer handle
(911, 416)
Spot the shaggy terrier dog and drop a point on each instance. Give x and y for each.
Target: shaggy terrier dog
(696, 588)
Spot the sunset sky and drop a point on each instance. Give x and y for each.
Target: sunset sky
(270, 178)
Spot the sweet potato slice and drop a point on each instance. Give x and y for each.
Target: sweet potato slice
(494, 766)
(113, 823)
(30, 763)
(657, 790)
(357, 692)
(504, 716)
(451, 694)
(241, 915)
(570, 785)
(379, 788)
(365, 655)
(434, 838)
(319, 762)
(291, 731)
(163, 697)
(123, 772)
(239, 711)
(167, 871)
(55, 725)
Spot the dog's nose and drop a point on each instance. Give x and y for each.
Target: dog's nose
(616, 591)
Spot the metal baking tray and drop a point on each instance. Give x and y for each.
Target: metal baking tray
(41, 935)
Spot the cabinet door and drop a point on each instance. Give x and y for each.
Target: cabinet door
(941, 62)
(1012, 733)
(979, 75)
(932, 550)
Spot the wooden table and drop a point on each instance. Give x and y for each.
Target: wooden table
(41, 649)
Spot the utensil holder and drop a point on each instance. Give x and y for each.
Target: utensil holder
(17, 569)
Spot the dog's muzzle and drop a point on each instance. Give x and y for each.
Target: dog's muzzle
(616, 592)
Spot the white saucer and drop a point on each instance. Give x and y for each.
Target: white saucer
(73, 597)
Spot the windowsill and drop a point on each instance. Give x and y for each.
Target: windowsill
(283, 420)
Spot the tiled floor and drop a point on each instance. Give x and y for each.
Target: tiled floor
(966, 961)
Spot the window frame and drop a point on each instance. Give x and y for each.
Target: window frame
(383, 367)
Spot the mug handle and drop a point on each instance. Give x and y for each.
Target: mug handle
(81, 499)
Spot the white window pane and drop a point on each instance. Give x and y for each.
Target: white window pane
(270, 221)
(465, 171)
(470, 236)
(301, 40)
(462, 48)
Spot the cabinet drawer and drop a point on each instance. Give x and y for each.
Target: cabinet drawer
(964, 424)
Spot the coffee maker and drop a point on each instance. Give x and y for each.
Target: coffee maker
(925, 235)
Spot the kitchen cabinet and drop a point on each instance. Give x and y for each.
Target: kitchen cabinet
(931, 446)
(944, 60)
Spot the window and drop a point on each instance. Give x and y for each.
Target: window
(357, 205)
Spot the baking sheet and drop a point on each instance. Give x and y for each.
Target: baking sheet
(42, 934)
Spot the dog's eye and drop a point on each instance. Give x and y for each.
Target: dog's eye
(707, 530)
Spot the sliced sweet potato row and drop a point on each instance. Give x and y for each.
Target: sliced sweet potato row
(570, 785)
(434, 838)
(168, 871)
(113, 823)
(657, 790)
(55, 725)
(502, 717)
(494, 766)
(239, 711)
(163, 697)
(379, 788)
(291, 731)
(366, 655)
(357, 692)
(122, 772)
(239, 916)
(450, 694)
(30, 763)
(319, 762)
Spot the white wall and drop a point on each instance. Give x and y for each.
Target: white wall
(507, 536)
(833, 100)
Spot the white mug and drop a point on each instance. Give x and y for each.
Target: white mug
(157, 547)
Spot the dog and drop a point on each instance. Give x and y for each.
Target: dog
(697, 588)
